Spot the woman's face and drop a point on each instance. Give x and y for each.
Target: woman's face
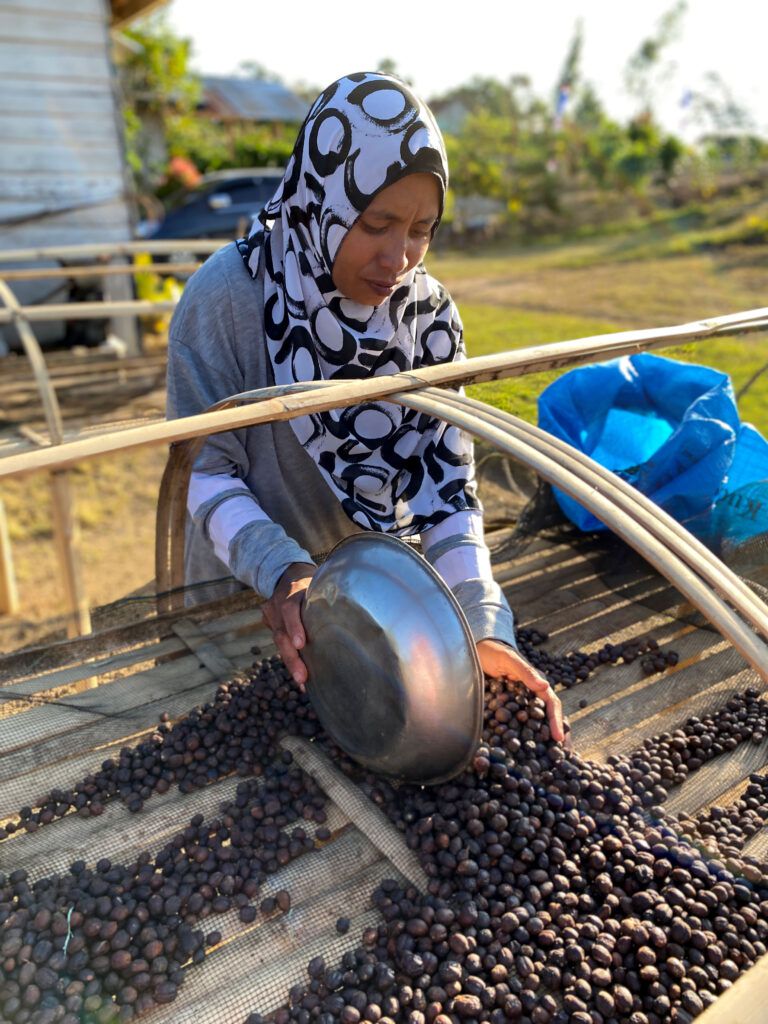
(388, 239)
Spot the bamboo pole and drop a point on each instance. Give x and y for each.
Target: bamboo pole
(342, 394)
(98, 270)
(108, 249)
(744, 1002)
(666, 546)
(68, 546)
(16, 315)
(9, 595)
(90, 310)
(65, 529)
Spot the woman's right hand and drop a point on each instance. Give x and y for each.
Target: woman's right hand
(282, 613)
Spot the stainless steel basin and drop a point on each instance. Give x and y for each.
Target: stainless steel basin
(393, 671)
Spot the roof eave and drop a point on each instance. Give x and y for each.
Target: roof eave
(124, 11)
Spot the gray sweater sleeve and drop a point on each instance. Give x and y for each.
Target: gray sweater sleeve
(201, 372)
(482, 600)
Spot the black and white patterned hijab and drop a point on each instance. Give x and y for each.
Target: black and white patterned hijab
(394, 470)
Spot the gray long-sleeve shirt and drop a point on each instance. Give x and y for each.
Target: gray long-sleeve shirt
(216, 349)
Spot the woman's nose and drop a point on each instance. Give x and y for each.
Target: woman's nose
(394, 255)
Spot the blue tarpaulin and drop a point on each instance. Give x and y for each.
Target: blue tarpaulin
(673, 431)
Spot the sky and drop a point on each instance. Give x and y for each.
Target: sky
(439, 44)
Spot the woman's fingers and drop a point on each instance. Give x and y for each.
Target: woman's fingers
(291, 658)
(292, 620)
(282, 613)
(555, 716)
(541, 687)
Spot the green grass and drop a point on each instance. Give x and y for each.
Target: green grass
(490, 329)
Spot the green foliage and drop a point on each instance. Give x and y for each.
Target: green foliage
(160, 93)
(212, 146)
(671, 152)
(645, 72)
(536, 175)
(161, 96)
(570, 73)
(749, 230)
(155, 72)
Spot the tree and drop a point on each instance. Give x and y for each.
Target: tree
(255, 69)
(388, 66)
(570, 73)
(716, 107)
(159, 92)
(645, 73)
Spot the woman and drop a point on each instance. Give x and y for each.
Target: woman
(331, 285)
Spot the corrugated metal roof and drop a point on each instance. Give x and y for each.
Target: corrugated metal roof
(251, 99)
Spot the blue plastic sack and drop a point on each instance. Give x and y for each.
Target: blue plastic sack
(673, 431)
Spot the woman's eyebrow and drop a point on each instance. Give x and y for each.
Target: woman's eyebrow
(388, 215)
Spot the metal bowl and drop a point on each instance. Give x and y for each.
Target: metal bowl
(393, 670)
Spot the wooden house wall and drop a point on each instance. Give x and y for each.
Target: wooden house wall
(62, 167)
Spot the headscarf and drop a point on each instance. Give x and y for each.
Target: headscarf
(393, 469)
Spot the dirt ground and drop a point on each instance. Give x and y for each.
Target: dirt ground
(116, 497)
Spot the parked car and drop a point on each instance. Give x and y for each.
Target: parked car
(221, 206)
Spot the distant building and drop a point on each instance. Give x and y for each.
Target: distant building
(238, 100)
(450, 114)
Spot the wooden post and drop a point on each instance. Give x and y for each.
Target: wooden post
(67, 538)
(9, 596)
(65, 529)
(126, 328)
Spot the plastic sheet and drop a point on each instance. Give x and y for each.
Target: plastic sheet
(673, 431)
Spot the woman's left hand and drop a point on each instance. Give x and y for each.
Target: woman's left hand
(502, 662)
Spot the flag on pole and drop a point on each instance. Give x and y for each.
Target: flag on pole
(563, 98)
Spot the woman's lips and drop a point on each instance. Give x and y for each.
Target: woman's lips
(381, 287)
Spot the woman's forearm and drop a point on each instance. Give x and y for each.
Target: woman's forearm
(456, 548)
(256, 550)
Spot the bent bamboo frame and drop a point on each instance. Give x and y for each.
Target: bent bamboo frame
(65, 525)
(680, 563)
(345, 393)
(669, 548)
(667, 529)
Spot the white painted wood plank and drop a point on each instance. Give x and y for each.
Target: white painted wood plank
(42, 127)
(39, 234)
(22, 63)
(21, 210)
(66, 100)
(94, 9)
(95, 157)
(60, 190)
(100, 222)
(51, 26)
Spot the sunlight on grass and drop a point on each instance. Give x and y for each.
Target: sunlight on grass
(490, 329)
